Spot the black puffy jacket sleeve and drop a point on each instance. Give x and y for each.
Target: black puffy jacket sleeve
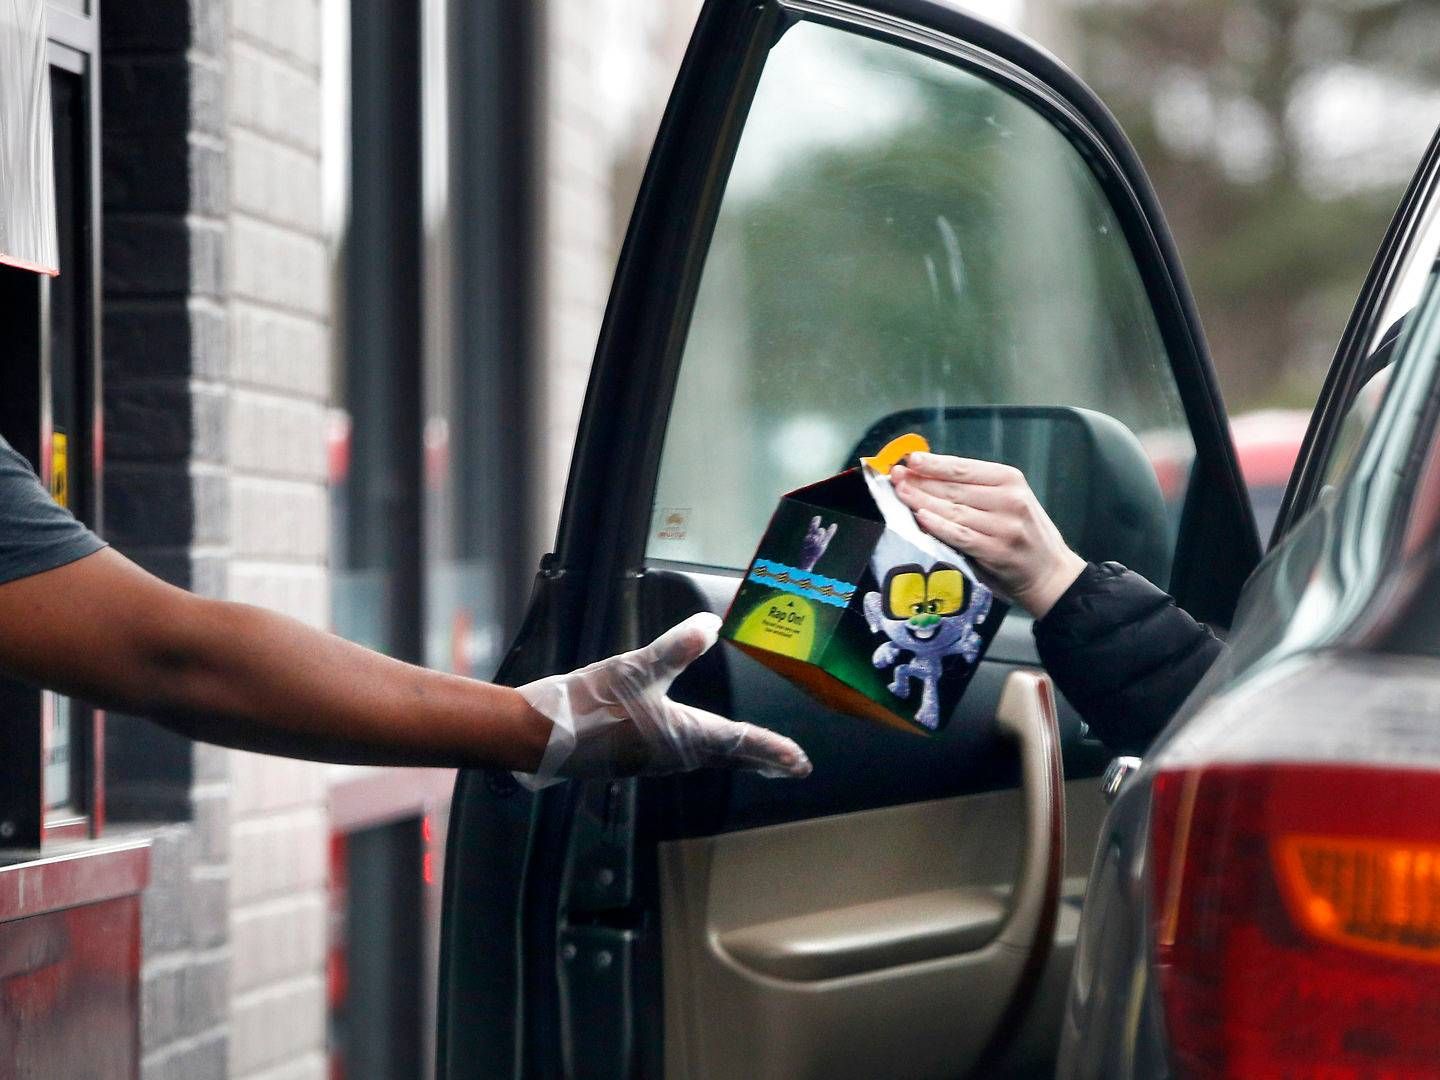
(1123, 654)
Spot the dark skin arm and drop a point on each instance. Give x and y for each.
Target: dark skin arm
(104, 630)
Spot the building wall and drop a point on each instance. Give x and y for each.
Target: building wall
(163, 193)
(279, 321)
(217, 369)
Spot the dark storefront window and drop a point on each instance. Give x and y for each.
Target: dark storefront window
(430, 508)
(377, 952)
(375, 438)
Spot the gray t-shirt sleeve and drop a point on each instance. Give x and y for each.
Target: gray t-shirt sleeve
(36, 534)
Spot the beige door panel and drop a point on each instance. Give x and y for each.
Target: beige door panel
(860, 945)
(866, 937)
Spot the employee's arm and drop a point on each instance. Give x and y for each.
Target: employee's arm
(104, 630)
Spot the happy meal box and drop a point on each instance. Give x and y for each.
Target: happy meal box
(850, 599)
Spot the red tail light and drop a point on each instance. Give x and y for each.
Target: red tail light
(1297, 920)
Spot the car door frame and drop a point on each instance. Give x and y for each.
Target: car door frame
(1343, 378)
(506, 849)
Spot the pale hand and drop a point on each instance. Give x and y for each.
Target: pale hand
(987, 512)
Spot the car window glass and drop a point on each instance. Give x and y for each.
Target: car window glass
(1384, 347)
(898, 234)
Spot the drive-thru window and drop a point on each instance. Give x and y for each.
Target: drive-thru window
(69, 899)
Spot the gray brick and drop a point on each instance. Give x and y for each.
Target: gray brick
(270, 96)
(209, 909)
(146, 171)
(212, 510)
(207, 102)
(148, 422)
(210, 576)
(180, 1002)
(149, 26)
(290, 27)
(164, 338)
(209, 180)
(148, 93)
(164, 94)
(149, 505)
(277, 1024)
(147, 256)
(207, 22)
(212, 763)
(165, 929)
(210, 433)
(149, 171)
(202, 1059)
(279, 941)
(207, 260)
(212, 827)
(150, 339)
(209, 335)
(156, 255)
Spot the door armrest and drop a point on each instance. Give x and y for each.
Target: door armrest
(871, 936)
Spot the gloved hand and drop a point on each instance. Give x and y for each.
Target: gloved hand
(988, 512)
(614, 718)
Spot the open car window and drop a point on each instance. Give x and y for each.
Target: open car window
(899, 239)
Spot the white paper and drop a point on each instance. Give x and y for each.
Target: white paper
(900, 520)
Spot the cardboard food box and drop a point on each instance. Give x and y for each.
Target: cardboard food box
(850, 599)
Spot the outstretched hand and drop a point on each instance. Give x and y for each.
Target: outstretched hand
(988, 512)
(615, 718)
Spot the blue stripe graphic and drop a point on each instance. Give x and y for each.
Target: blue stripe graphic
(804, 583)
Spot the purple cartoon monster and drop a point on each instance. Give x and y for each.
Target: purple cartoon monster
(928, 614)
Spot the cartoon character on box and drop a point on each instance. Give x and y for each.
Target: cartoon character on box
(932, 615)
(817, 538)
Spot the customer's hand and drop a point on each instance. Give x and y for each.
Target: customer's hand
(614, 718)
(987, 512)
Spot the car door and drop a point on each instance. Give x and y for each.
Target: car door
(859, 218)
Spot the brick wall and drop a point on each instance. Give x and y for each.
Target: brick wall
(217, 368)
(164, 195)
(278, 316)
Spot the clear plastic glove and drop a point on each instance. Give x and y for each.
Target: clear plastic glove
(614, 718)
(988, 512)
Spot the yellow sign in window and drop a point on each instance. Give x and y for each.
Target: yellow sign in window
(60, 468)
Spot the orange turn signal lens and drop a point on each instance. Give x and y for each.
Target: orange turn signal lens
(1380, 896)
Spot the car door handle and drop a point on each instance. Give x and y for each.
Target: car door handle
(1117, 772)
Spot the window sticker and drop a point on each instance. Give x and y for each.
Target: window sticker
(60, 468)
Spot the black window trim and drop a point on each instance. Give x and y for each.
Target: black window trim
(1344, 378)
